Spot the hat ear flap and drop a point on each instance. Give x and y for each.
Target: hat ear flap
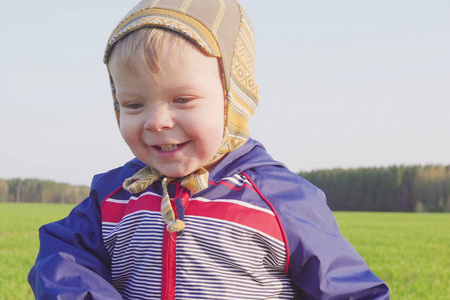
(243, 94)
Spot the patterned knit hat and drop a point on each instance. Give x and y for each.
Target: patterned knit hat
(221, 29)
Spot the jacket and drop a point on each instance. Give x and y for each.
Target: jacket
(258, 231)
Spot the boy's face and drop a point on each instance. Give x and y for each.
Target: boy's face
(175, 123)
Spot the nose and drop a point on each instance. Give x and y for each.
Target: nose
(158, 119)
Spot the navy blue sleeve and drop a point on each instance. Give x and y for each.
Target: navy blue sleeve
(72, 262)
(322, 263)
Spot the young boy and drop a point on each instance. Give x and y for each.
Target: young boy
(202, 211)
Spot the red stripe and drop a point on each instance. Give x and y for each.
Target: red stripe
(114, 211)
(236, 213)
(280, 226)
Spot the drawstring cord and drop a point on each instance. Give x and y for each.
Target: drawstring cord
(194, 182)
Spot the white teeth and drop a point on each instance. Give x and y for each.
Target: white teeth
(167, 147)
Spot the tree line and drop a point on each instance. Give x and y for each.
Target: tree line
(390, 189)
(44, 191)
(395, 188)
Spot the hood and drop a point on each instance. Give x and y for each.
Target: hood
(221, 29)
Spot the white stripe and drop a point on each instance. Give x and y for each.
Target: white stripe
(132, 198)
(235, 136)
(250, 44)
(239, 108)
(237, 180)
(244, 97)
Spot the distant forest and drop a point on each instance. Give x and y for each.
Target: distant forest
(44, 191)
(396, 188)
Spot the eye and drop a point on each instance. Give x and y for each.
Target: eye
(133, 105)
(182, 100)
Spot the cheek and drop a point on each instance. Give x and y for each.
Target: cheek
(128, 130)
(207, 129)
(215, 129)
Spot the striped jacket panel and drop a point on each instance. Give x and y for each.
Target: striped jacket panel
(230, 249)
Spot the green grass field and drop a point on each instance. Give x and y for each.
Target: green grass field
(411, 252)
(19, 243)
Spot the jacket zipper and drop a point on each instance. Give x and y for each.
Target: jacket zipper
(169, 251)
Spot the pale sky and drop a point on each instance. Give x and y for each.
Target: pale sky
(346, 84)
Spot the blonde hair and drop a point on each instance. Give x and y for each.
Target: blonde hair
(150, 45)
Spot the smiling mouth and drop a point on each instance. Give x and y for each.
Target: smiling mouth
(168, 148)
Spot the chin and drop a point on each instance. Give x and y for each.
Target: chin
(175, 170)
(176, 173)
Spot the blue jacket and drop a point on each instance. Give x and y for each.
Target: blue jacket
(258, 231)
